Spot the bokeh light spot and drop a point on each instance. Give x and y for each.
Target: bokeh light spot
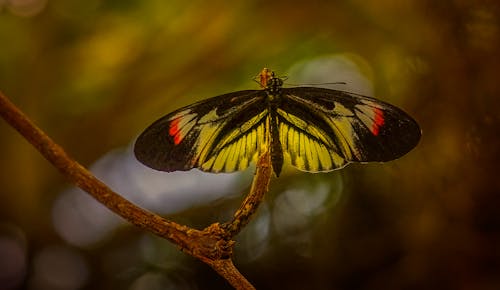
(13, 257)
(59, 268)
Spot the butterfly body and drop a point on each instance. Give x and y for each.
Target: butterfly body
(315, 129)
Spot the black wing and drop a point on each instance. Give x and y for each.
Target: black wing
(323, 129)
(220, 134)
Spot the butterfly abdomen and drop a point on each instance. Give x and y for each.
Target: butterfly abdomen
(275, 143)
(273, 90)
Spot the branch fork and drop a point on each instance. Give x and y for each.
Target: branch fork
(212, 245)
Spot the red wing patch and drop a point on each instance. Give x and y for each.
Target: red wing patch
(174, 130)
(180, 125)
(174, 127)
(378, 121)
(371, 116)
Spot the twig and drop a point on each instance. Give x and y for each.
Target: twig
(212, 245)
(249, 206)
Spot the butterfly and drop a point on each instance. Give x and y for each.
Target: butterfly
(315, 129)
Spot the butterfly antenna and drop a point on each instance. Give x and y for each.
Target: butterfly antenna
(315, 84)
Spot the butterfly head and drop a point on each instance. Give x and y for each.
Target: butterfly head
(269, 81)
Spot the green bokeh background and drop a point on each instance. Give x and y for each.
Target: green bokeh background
(93, 74)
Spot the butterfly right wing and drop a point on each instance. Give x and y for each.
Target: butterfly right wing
(324, 130)
(220, 134)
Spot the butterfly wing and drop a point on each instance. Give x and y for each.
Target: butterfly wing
(323, 130)
(220, 134)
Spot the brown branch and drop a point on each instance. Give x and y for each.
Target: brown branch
(226, 269)
(212, 245)
(81, 177)
(249, 206)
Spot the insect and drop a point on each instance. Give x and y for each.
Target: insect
(315, 129)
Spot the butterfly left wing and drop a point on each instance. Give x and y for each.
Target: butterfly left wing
(323, 130)
(220, 134)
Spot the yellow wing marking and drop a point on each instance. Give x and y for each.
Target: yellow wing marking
(308, 153)
(340, 121)
(237, 149)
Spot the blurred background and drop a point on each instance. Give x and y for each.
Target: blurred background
(93, 74)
